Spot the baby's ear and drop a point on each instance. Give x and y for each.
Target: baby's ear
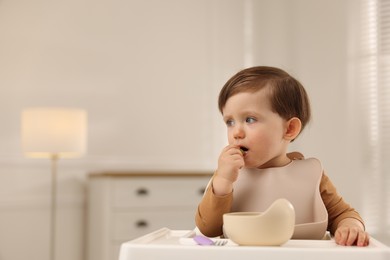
(293, 128)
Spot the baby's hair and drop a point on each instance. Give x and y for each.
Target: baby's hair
(287, 95)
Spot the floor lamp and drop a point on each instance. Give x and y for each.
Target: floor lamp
(53, 133)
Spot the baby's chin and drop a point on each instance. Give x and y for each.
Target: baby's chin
(250, 165)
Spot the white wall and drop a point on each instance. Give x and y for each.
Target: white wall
(148, 73)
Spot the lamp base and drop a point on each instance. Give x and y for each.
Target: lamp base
(53, 217)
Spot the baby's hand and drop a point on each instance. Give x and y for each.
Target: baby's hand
(349, 233)
(230, 162)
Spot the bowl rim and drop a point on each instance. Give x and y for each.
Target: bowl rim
(244, 214)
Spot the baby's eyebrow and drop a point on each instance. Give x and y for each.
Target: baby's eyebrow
(226, 117)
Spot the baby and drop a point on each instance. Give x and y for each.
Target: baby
(265, 109)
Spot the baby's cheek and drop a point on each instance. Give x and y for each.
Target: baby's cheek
(262, 142)
(231, 140)
(230, 137)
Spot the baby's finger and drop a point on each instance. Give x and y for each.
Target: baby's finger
(227, 148)
(240, 163)
(230, 149)
(236, 151)
(238, 160)
(352, 236)
(363, 239)
(341, 236)
(367, 240)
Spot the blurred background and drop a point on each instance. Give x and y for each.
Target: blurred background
(148, 73)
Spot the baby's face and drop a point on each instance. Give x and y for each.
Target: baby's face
(256, 129)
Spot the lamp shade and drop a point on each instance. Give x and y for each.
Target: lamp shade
(48, 132)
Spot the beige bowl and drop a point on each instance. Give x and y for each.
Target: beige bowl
(273, 227)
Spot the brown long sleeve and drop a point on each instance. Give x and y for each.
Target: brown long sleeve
(211, 209)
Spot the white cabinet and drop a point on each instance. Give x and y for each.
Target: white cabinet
(123, 206)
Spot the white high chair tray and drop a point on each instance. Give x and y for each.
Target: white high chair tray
(166, 244)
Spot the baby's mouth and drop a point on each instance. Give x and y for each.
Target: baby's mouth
(244, 149)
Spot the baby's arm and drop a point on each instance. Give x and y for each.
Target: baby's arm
(219, 195)
(344, 222)
(208, 217)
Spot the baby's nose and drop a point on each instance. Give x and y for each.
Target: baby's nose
(238, 132)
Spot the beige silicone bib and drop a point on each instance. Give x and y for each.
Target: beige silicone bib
(298, 182)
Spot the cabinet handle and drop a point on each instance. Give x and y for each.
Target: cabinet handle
(142, 224)
(142, 192)
(202, 190)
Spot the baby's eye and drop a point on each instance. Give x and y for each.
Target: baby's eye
(229, 122)
(250, 120)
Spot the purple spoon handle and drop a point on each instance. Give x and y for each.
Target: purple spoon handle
(203, 241)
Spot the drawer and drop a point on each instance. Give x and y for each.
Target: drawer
(130, 225)
(157, 191)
